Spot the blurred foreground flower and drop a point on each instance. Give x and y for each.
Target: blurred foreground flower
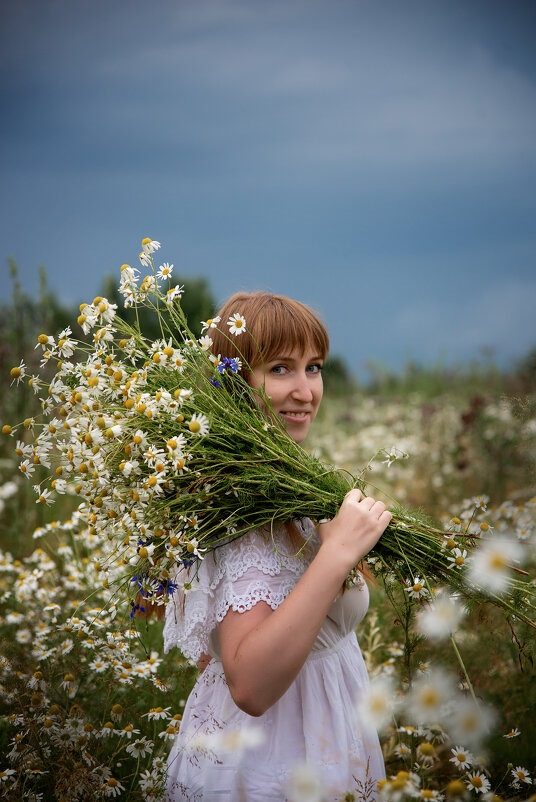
(441, 618)
(375, 709)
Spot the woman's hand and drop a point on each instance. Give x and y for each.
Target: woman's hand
(355, 530)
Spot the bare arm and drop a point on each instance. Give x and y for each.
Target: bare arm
(263, 649)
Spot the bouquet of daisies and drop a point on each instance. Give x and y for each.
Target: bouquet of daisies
(171, 455)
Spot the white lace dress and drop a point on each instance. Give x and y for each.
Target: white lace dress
(222, 753)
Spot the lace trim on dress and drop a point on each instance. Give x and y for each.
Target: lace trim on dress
(240, 574)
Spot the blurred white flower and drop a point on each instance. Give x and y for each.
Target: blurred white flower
(305, 785)
(468, 723)
(489, 568)
(429, 695)
(375, 709)
(441, 618)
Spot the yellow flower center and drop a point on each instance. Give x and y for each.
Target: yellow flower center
(146, 241)
(194, 426)
(429, 697)
(427, 749)
(455, 788)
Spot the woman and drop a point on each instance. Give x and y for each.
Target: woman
(267, 620)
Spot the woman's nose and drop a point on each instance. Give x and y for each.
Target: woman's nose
(301, 390)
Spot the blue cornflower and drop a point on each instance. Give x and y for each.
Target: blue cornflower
(228, 363)
(134, 608)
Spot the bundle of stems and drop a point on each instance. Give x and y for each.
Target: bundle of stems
(172, 455)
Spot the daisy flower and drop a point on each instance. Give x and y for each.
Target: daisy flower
(393, 455)
(461, 758)
(199, 424)
(513, 733)
(211, 323)
(112, 787)
(6, 774)
(237, 324)
(417, 589)
(27, 468)
(205, 342)
(480, 502)
(457, 558)
(156, 713)
(520, 775)
(165, 270)
(174, 292)
(149, 245)
(140, 747)
(402, 751)
(478, 782)
(18, 373)
(428, 793)
(45, 496)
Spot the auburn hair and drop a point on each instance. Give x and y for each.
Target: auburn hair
(275, 326)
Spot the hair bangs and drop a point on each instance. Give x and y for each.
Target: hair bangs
(275, 326)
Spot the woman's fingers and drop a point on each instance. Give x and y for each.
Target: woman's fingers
(354, 495)
(385, 518)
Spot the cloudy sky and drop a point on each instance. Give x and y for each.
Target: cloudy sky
(373, 158)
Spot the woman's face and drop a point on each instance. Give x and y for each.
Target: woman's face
(293, 383)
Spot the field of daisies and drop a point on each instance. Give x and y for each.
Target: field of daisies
(89, 704)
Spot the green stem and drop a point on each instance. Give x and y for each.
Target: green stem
(466, 675)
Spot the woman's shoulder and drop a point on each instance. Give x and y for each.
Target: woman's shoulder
(270, 550)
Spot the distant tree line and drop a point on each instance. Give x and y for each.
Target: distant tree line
(23, 318)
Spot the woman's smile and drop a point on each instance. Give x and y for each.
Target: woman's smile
(293, 383)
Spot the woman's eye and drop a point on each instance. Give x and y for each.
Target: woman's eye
(316, 368)
(278, 369)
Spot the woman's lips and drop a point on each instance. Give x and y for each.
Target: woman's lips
(295, 417)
